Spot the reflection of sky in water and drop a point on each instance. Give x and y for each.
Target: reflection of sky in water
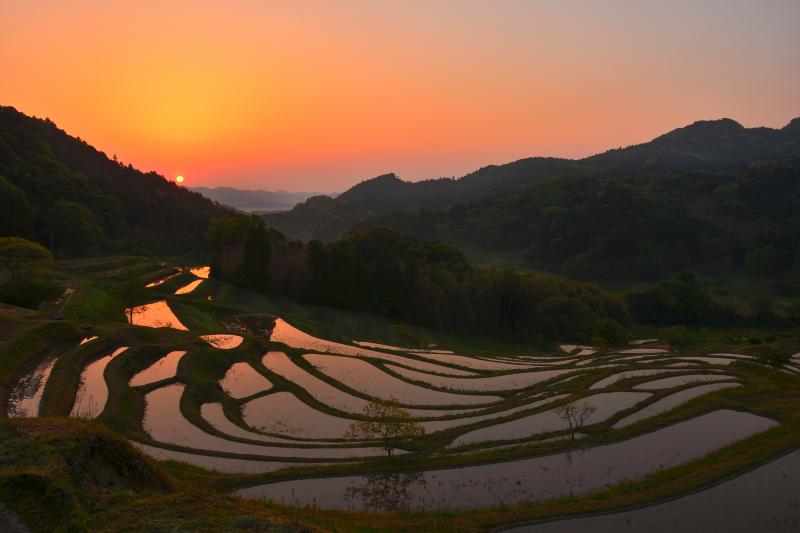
(242, 380)
(607, 404)
(533, 479)
(366, 378)
(223, 341)
(667, 403)
(27, 394)
(154, 315)
(92, 394)
(158, 282)
(186, 289)
(166, 367)
(164, 422)
(201, 272)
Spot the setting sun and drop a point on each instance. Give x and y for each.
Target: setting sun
(179, 179)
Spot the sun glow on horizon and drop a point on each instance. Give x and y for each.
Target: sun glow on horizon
(316, 96)
(179, 179)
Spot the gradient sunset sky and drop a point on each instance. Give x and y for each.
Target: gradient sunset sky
(317, 95)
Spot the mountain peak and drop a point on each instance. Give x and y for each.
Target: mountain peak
(793, 125)
(384, 178)
(722, 125)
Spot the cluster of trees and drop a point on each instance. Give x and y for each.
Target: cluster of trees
(646, 227)
(713, 196)
(677, 301)
(384, 272)
(26, 272)
(59, 191)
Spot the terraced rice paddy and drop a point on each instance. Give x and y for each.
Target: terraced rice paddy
(27, 393)
(90, 400)
(520, 481)
(164, 368)
(260, 399)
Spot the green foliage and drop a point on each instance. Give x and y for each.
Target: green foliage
(131, 291)
(19, 257)
(762, 306)
(26, 277)
(676, 302)
(383, 272)
(386, 422)
(680, 338)
(566, 319)
(16, 214)
(762, 261)
(773, 357)
(713, 196)
(241, 251)
(611, 331)
(72, 228)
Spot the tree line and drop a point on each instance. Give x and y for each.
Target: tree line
(384, 272)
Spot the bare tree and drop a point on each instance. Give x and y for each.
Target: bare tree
(576, 415)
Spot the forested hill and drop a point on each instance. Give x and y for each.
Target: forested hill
(60, 191)
(325, 218)
(705, 146)
(710, 145)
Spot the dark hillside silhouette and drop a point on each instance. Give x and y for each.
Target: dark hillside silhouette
(74, 198)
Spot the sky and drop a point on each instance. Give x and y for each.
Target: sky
(318, 95)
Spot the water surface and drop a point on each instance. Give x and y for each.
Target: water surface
(607, 403)
(366, 378)
(761, 500)
(226, 465)
(668, 403)
(165, 423)
(201, 272)
(679, 381)
(483, 384)
(92, 394)
(164, 368)
(223, 341)
(186, 289)
(154, 315)
(27, 394)
(291, 336)
(527, 480)
(242, 380)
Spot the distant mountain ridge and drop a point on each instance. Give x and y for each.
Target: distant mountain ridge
(708, 145)
(254, 199)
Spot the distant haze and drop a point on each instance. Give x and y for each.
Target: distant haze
(318, 95)
(254, 200)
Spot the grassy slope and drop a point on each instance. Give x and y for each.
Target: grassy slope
(71, 475)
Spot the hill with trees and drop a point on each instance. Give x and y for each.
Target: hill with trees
(60, 191)
(426, 283)
(711, 196)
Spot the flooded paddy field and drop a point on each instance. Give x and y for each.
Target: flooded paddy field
(238, 392)
(764, 499)
(508, 483)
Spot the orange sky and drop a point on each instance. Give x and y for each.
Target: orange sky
(319, 95)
